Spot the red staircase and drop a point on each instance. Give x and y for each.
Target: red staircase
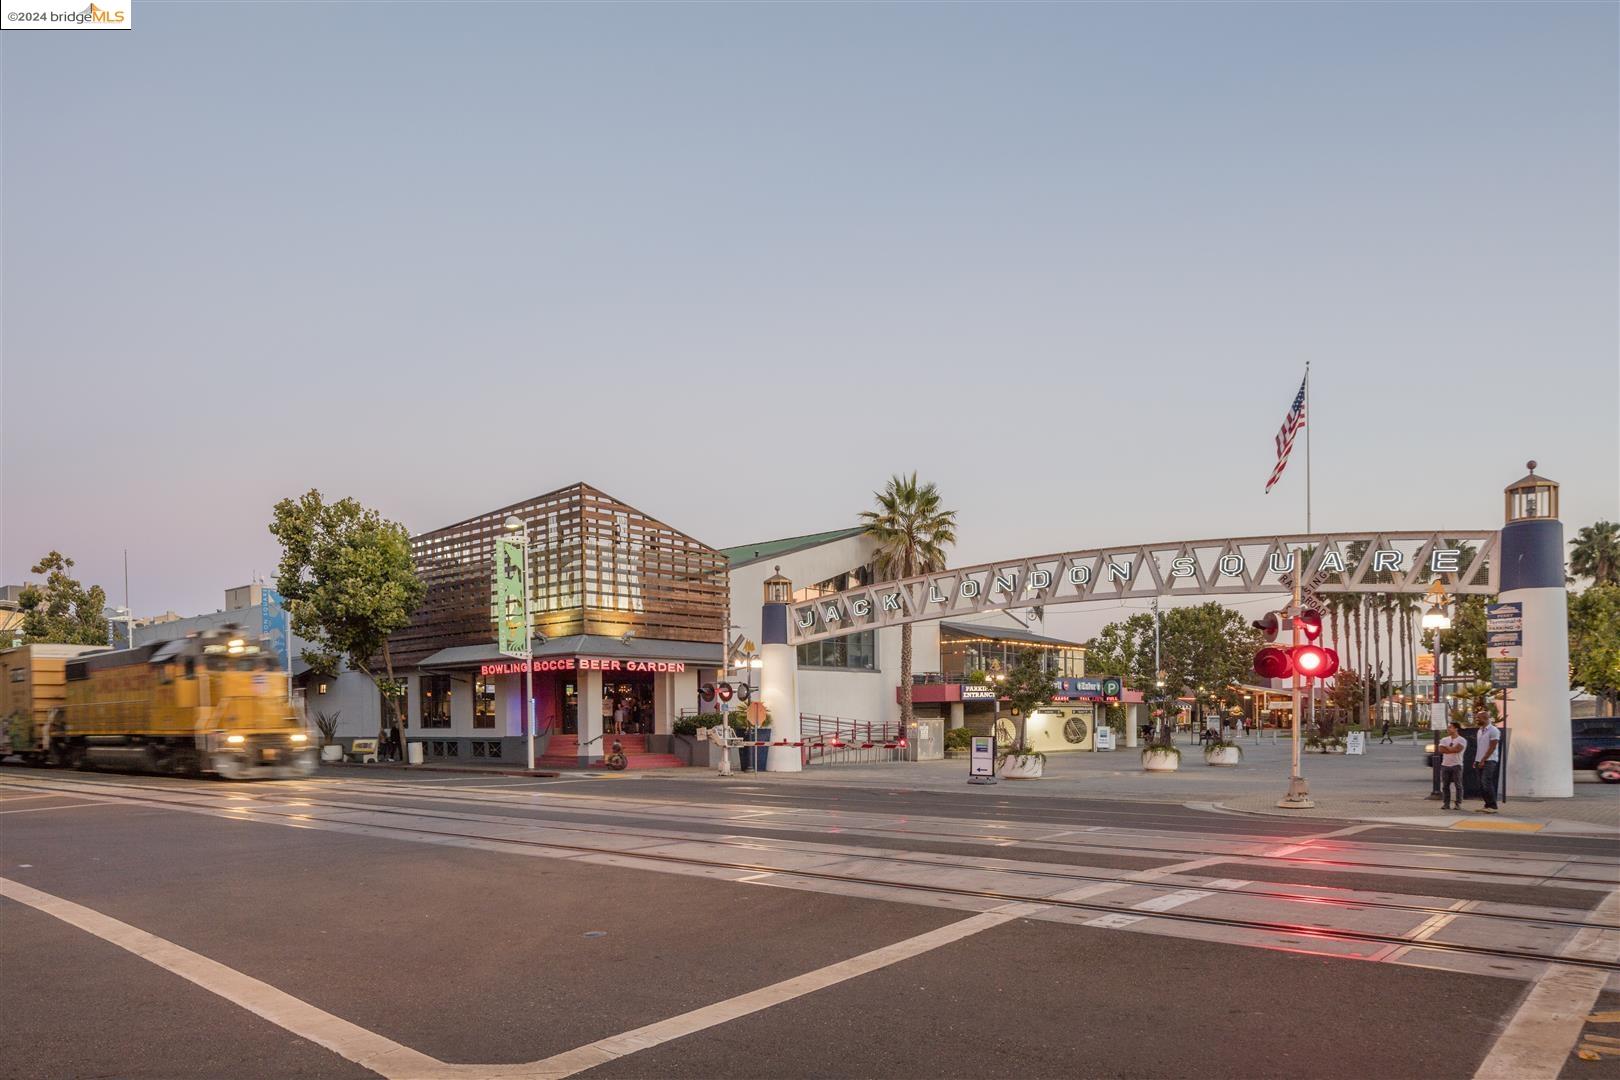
(563, 753)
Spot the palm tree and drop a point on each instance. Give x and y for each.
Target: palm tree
(1595, 553)
(912, 533)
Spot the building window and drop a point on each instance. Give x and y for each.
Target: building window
(393, 701)
(852, 652)
(435, 701)
(483, 702)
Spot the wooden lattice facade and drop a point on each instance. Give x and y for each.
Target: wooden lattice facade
(597, 566)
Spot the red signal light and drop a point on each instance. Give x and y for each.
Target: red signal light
(723, 691)
(1315, 662)
(1268, 624)
(1273, 662)
(1310, 623)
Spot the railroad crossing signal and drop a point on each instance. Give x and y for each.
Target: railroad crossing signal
(1308, 660)
(723, 691)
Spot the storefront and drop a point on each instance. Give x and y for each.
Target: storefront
(584, 687)
(627, 613)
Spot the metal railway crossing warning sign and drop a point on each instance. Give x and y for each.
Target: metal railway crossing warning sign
(507, 606)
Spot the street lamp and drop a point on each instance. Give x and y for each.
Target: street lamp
(1436, 619)
(519, 526)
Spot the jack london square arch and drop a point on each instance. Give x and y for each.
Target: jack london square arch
(1364, 562)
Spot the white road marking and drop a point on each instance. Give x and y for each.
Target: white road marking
(1178, 868)
(373, 1051)
(65, 806)
(1351, 831)
(397, 1062)
(1538, 1039)
(604, 1050)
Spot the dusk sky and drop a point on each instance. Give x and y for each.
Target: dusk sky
(736, 264)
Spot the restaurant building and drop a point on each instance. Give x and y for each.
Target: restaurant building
(627, 613)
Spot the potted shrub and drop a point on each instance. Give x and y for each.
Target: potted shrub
(1029, 685)
(331, 750)
(1222, 752)
(1018, 762)
(1161, 756)
(958, 741)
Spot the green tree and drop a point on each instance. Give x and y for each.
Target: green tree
(62, 611)
(912, 531)
(1595, 553)
(348, 582)
(1206, 648)
(1029, 686)
(1594, 643)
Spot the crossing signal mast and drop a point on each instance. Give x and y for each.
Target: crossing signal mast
(1300, 660)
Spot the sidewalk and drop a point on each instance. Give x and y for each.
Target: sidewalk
(475, 770)
(1389, 783)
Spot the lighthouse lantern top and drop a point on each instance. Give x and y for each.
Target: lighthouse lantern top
(1530, 498)
(778, 589)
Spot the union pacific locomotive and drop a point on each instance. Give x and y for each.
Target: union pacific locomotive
(212, 703)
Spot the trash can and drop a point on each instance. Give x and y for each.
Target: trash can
(747, 753)
(413, 753)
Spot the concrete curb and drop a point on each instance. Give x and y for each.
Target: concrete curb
(463, 770)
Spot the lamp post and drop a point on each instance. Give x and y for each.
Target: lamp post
(519, 526)
(1437, 619)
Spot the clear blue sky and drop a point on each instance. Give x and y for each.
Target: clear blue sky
(736, 264)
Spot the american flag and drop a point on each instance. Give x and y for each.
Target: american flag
(1285, 438)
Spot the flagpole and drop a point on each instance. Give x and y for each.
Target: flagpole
(1308, 426)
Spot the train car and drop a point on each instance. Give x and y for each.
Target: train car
(33, 685)
(212, 703)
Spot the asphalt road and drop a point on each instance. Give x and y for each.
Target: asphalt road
(494, 926)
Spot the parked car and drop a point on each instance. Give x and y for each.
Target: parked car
(1597, 746)
(1596, 742)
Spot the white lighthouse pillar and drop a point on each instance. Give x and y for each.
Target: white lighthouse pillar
(1539, 755)
(779, 678)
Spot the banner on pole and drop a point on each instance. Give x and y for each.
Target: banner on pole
(273, 631)
(507, 606)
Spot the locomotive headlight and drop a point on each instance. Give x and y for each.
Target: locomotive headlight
(236, 738)
(299, 736)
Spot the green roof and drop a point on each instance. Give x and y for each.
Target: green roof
(770, 549)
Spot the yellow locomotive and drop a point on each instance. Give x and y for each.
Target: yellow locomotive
(213, 702)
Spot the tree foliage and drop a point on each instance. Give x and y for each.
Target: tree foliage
(1595, 553)
(347, 579)
(912, 529)
(1208, 647)
(1594, 642)
(62, 611)
(1029, 686)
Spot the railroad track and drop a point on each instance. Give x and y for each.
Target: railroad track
(1315, 932)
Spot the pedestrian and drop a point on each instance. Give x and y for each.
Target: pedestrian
(1451, 748)
(1488, 760)
(619, 716)
(607, 711)
(1385, 737)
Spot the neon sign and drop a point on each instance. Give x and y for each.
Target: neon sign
(583, 663)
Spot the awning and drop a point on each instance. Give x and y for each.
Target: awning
(700, 653)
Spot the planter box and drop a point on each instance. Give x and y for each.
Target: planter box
(332, 752)
(1023, 768)
(1159, 761)
(1226, 756)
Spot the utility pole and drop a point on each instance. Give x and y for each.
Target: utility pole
(1299, 793)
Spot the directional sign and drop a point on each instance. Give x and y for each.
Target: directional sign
(1504, 642)
(1504, 617)
(982, 758)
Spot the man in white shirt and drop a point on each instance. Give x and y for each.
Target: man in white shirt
(1450, 749)
(1488, 760)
